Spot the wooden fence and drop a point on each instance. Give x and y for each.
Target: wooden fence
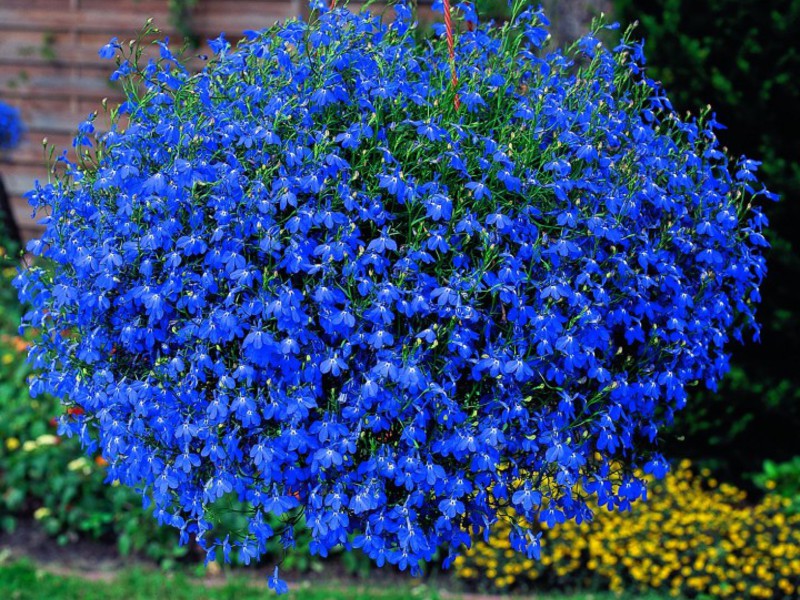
(50, 69)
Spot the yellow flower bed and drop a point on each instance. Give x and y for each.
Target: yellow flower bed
(693, 536)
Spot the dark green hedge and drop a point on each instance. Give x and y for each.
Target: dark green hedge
(743, 58)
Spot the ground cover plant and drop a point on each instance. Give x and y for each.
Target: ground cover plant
(344, 275)
(694, 537)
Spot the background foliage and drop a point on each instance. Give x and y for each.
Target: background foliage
(742, 58)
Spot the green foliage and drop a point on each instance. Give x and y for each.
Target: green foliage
(782, 479)
(9, 308)
(495, 9)
(9, 253)
(742, 57)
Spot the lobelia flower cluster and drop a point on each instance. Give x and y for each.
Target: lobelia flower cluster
(304, 280)
(11, 127)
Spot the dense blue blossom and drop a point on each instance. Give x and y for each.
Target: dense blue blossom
(11, 127)
(304, 280)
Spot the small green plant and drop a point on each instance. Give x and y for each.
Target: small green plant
(48, 48)
(180, 17)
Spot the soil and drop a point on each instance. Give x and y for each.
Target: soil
(85, 558)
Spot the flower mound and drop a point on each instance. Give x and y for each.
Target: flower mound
(11, 127)
(302, 279)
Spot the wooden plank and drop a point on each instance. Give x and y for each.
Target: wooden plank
(43, 110)
(126, 22)
(53, 5)
(66, 86)
(30, 156)
(28, 226)
(144, 7)
(20, 179)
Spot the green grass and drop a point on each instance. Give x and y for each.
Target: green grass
(24, 581)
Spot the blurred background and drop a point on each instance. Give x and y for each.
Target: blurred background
(725, 523)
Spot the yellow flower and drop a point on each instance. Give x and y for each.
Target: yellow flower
(77, 464)
(47, 440)
(467, 572)
(41, 513)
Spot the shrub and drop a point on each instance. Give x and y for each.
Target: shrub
(741, 57)
(318, 279)
(693, 537)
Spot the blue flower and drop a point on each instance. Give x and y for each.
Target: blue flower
(277, 584)
(109, 50)
(11, 127)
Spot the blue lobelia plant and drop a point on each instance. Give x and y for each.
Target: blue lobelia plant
(320, 279)
(11, 127)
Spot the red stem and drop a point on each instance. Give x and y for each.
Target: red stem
(451, 47)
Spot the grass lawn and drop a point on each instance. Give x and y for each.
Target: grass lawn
(24, 581)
